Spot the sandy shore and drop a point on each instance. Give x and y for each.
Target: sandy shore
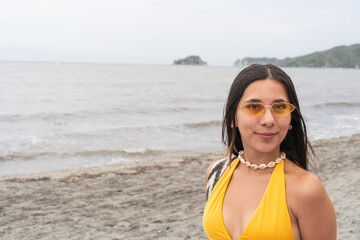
(161, 199)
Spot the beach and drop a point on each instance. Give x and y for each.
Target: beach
(160, 199)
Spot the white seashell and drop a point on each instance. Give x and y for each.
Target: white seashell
(262, 166)
(271, 164)
(254, 166)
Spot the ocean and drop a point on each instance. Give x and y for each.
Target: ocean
(56, 116)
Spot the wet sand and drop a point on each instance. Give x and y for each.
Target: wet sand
(161, 199)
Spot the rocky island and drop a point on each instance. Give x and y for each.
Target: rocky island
(337, 57)
(191, 60)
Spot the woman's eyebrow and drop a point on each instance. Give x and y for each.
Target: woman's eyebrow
(255, 100)
(280, 100)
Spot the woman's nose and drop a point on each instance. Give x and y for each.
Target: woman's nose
(267, 118)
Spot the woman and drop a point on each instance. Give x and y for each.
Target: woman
(263, 189)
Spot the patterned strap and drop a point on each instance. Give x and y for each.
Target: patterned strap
(215, 173)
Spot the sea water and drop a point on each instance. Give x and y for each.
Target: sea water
(64, 116)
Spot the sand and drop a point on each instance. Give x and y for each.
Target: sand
(162, 199)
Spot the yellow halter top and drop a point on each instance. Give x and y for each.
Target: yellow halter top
(270, 220)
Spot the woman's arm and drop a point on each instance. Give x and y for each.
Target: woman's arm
(314, 211)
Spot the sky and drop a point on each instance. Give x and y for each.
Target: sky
(160, 31)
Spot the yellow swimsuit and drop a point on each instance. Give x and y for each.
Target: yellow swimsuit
(270, 220)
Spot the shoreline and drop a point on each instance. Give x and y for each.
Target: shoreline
(160, 199)
(132, 166)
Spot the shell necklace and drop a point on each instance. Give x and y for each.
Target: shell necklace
(261, 166)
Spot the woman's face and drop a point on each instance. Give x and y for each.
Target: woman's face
(263, 133)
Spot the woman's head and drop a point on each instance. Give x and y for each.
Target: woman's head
(294, 142)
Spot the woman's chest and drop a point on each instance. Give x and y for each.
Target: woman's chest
(241, 200)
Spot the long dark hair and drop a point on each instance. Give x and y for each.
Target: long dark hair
(296, 142)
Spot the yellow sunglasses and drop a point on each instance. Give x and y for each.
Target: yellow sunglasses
(277, 109)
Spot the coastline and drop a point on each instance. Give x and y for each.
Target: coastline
(162, 199)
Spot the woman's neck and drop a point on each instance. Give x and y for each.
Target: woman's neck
(256, 157)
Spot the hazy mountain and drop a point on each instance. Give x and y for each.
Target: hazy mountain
(337, 57)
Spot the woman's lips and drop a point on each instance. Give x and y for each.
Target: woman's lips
(266, 136)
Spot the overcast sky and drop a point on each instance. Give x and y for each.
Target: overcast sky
(159, 31)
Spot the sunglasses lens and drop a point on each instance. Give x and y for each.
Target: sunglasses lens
(253, 108)
(276, 108)
(282, 108)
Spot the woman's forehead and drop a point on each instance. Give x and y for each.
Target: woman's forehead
(267, 90)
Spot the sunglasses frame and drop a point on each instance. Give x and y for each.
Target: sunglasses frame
(264, 108)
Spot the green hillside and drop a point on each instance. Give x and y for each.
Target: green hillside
(337, 57)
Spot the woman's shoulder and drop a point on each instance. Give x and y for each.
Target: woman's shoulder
(306, 182)
(304, 189)
(308, 201)
(216, 167)
(214, 173)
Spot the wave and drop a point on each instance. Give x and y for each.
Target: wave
(40, 115)
(337, 104)
(102, 153)
(155, 110)
(191, 125)
(203, 124)
(81, 114)
(176, 109)
(122, 152)
(148, 128)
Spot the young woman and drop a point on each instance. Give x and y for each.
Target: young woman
(263, 190)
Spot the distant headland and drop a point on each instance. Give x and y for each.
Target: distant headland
(337, 57)
(191, 60)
